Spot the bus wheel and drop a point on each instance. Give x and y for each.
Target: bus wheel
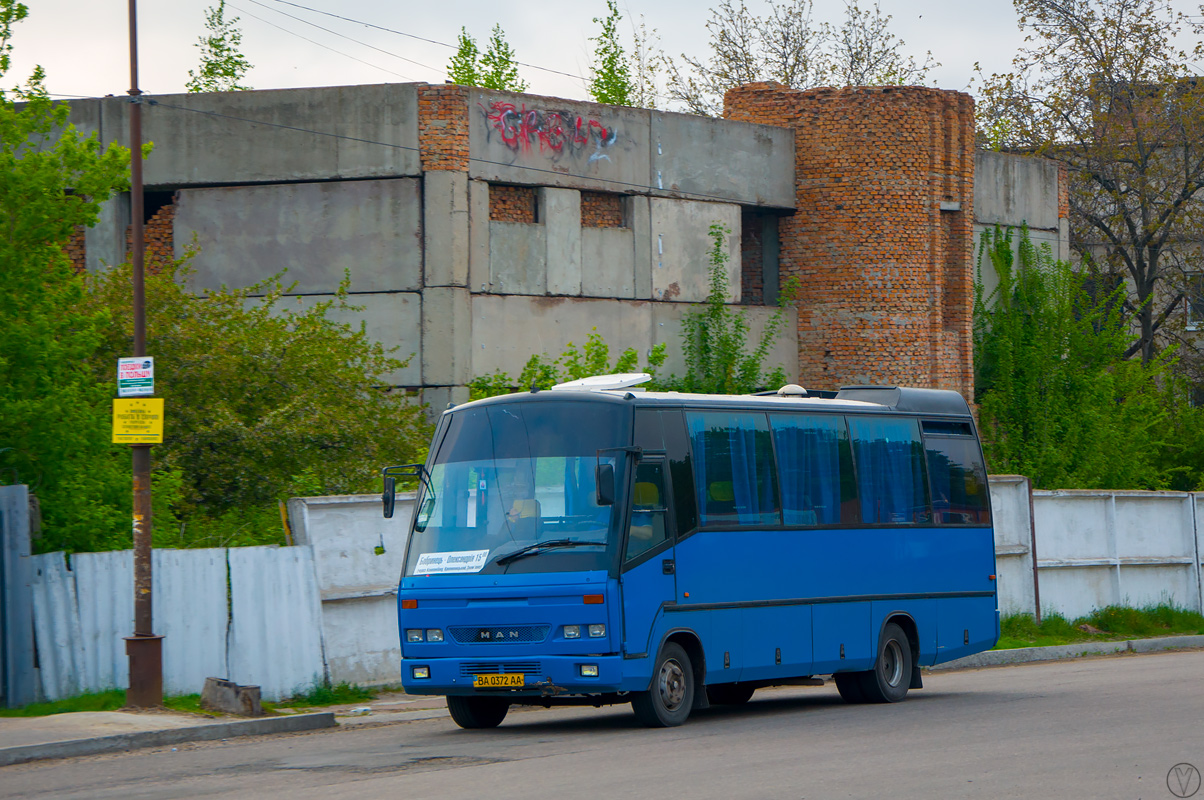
(849, 686)
(477, 712)
(668, 702)
(730, 694)
(890, 678)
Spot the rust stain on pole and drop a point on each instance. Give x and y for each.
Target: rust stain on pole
(144, 648)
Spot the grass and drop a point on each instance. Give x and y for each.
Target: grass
(114, 700)
(1113, 623)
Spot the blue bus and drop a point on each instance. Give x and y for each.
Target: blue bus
(596, 544)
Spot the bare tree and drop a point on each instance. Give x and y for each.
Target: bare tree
(1103, 89)
(863, 52)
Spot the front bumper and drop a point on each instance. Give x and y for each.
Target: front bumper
(543, 676)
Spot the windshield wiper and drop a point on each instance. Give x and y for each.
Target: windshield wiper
(539, 547)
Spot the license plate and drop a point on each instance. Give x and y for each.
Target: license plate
(495, 681)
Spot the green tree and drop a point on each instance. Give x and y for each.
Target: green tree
(463, 69)
(715, 338)
(1104, 89)
(1058, 401)
(54, 418)
(223, 66)
(499, 67)
(263, 401)
(610, 76)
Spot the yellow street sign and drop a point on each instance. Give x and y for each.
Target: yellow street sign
(138, 420)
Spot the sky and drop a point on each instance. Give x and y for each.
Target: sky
(84, 44)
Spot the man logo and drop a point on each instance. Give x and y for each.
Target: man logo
(1183, 780)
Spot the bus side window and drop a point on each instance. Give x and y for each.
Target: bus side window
(890, 470)
(815, 469)
(958, 477)
(733, 468)
(647, 529)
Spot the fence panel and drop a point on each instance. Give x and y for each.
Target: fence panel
(275, 639)
(1013, 543)
(17, 684)
(56, 626)
(104, 589)
(192, 614)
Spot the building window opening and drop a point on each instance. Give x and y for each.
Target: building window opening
(513, 203)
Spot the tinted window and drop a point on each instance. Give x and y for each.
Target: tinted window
(647, 529)
(733, 468)
(890, 470)
(681, 473)
(959, 481)
(815, 469)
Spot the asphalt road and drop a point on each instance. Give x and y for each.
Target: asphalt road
(1088, 728)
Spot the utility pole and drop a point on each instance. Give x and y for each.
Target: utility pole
(144, 648)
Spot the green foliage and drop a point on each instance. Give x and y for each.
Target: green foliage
(610, 76)
(1058, 401)
(715, 338)
(1111, 623)
(499, 66)
(54, 418)
(265, 399)
(327, 695)
(223, 66)
(542, 372)
(462, 69)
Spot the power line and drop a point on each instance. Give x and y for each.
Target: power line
(414, 36)
(348, 38)
(319, 44)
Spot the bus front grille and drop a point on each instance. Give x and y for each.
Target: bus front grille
(498, 634)
(468, 669)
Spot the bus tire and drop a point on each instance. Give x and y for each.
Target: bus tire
(668, 702)
(477, 712)
(849, 686)
(890, 678)
(730, 694)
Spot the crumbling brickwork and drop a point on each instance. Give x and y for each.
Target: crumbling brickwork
(601, 210)
(157, 237)
(881, 241)
(443, 127)
(513, 203)
(75, 250)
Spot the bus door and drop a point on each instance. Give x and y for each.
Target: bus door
(649, 573)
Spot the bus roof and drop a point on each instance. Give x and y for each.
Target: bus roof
(903, 399)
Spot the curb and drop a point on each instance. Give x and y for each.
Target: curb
(195, 733)
(1025, 655)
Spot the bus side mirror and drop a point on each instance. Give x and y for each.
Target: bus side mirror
(389, 496)
(604, 479)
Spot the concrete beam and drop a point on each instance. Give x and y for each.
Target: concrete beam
(478, 236)
(446, 319)
(445, 228)
(562, 224)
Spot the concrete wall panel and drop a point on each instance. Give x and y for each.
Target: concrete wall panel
(551, 141)
(562, 224)
(1010, 190)
(722, 160)
(666, 327)
(608, 262)
(518, 258)
(1013, 543)
(445, 228)
(681, 246)
(446, 315)
(314, 230)
(276, 135)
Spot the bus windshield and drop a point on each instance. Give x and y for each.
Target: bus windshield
(518, 477)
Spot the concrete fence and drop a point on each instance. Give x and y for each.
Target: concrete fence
(284, 618)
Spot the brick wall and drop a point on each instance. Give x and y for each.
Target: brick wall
(513, 203)
(443, 127)
(885, 274)
(601, 210)
(158, 238)
(752, 263)
(75, 250)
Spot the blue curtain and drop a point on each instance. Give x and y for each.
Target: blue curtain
(808, 451)
(733, 456)
(890, 470)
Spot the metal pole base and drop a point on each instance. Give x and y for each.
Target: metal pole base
(146, 671)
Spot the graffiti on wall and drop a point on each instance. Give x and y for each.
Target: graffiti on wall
(554, 133)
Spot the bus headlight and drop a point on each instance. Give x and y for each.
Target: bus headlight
(572, 631)
(413, 635)
(434, 635)
(596, 631)
(589, 670)
(420, 673)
